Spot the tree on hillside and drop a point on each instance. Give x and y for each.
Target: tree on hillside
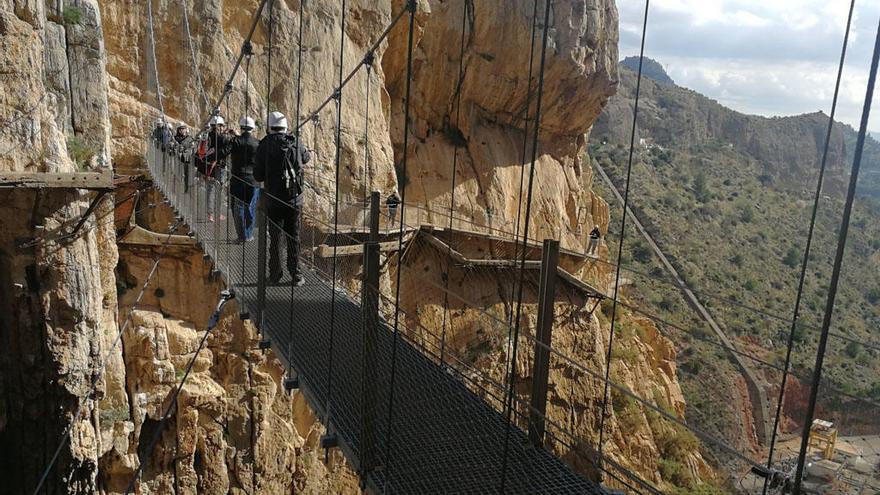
(701, 190)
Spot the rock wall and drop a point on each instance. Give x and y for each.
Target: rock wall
(58, 301)
(580, 75)
(235, 429)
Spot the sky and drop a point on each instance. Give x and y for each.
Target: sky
(765, 57)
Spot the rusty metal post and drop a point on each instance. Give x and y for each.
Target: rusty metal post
(543, 342)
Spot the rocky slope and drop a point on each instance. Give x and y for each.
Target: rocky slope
(728, 198)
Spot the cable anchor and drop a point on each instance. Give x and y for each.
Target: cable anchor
(369, 58)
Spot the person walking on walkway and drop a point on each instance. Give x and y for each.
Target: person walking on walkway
(161, 135)
(279, 169)
(595, 237)
(241, 181)
(213, 151)
(183, 144)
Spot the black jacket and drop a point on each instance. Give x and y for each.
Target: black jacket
(217, 147)
(269, 166)
(161, 136)
(244, 156)
(595, 234)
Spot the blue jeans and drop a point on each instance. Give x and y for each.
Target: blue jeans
(245, 215)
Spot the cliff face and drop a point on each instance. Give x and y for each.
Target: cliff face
(58, 309)
(235, 429)
(581, 68)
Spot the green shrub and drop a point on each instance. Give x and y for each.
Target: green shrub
(676, 473)
(71, 16)
(853, 349)
(701, 189)
(79, 152)
(792, 258)
(873, 295)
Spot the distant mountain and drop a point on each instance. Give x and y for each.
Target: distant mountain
(650, 68)
(787, 149)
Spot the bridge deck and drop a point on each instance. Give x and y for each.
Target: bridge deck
(444, 437)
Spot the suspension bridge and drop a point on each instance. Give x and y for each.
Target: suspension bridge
(397, 383)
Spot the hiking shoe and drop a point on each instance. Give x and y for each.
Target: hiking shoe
(275, 278)
(222, 217)
(210, 218)
(299, 280)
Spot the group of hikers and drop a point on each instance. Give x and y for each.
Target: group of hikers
(273, 165)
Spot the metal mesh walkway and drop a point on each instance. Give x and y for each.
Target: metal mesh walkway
(438, 437)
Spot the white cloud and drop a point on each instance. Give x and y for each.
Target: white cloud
(775, 57)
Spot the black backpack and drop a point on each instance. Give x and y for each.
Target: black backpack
(292, 170)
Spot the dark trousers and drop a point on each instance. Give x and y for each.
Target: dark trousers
(286, 221)
(186, 167)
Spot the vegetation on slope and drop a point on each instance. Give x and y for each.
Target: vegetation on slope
(728, 198)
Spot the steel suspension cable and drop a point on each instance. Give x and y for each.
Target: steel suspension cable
(269, 63)
(522, 268)
(155, 61)
(805, 262)
(225, 296)
(402, 182)
(632, 140)
(351, 74)
(328, 406)
(245, 48)
(458, 91)
(247, 113)
(100, 369)
(522, 170)
(299, 49)
(838, 264)
(368, 176)
(192, 53)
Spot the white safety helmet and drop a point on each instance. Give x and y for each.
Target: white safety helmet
(247, 123)
(277, 120)
(217, 120)
(181, 126)
(160, 122)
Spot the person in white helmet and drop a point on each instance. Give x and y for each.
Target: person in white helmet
(212, 154)
(161, 135)
(241, 181)
(279, 168)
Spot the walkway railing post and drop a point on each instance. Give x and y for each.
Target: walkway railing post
(543, 341)
(261, 260)
(374, 216)
(369, 356)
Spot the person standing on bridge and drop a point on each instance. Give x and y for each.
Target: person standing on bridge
(279, 169)
(183, 145)
(241, 182)
(595, 237)
(212, 160)
(161, 135)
